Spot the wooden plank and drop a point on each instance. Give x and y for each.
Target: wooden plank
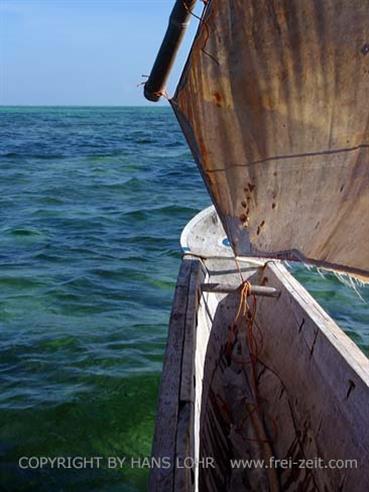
(173, 436)
(184, 476)
(223, 288)
(161, 479)
(184, 471)
(187, 382)
(324, 380)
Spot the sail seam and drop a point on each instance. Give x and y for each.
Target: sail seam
(289, 156)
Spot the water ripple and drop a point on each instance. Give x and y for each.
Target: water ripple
(93, 201)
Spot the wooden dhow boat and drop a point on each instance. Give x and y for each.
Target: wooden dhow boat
(260, 389)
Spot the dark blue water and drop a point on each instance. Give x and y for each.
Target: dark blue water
(92, 204)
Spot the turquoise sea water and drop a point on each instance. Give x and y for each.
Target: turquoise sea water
(92, 204)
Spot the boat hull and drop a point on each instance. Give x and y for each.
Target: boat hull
(298, 402)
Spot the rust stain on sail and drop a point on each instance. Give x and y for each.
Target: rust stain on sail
(275, 95)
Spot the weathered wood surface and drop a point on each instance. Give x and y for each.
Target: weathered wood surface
(173, 436)
(324, 380)
(313, 385)
(226, 393)
(313, 391)
(223, 288)
(204, 235)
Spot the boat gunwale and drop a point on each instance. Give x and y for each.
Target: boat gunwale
(177, 374)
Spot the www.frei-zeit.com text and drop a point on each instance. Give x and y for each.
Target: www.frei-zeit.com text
(165, 462)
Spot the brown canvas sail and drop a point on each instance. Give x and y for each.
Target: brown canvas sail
(274, 102)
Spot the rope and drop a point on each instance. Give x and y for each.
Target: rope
(247, 313)
(204, 23)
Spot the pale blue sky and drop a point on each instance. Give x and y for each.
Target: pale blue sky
(81, 52)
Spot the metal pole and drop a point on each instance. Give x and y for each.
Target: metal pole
(178, 22)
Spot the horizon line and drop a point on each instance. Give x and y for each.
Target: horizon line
(82, 105)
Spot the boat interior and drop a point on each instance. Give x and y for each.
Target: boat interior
(260, 387)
